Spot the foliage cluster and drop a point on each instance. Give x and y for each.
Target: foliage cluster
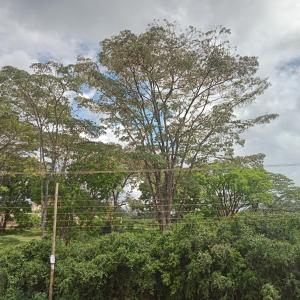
(245, 257)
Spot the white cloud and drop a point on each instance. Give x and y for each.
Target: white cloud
(22, 44)
(270, 29)
(16, 58)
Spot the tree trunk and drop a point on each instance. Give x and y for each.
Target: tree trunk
(164, 196)
(4, 222)
(44, 208)
(111, 208)
(42, 204)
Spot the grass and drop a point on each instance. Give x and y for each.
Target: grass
(16, 237)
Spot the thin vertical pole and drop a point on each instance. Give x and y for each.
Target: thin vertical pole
(52, 257)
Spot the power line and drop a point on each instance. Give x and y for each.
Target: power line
(267, 217)
(150, 225)
(282, 165)
(143, 205)
(137, 214)
(142, 202)
(138, 171)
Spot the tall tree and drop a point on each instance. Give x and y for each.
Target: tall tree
(172, 94)
(17, 143)
(16, 190)
(43, 98)
(16, 137)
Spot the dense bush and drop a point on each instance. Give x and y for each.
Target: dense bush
(29, 220)
(247, 257)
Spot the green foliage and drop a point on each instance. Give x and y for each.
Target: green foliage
(16, 237)
(223, 189)
(90, 200)
(14, 196)
(97, 156)
(16, 135)
(43, 99)
(249, 257)
(285, 193)
(269, 292)
(29, 220)
(171, 94)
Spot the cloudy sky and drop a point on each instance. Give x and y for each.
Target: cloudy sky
(35, 30)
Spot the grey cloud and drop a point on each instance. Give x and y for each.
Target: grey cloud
(270, 29)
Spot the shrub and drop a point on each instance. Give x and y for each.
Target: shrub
(240, 258)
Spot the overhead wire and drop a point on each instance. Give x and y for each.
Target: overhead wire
(265, 218)
(123, 213)
(90, 172)
(139, 213)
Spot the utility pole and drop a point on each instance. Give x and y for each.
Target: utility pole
(52, 257)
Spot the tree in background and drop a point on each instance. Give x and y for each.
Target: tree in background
(43, 99)
(221, 188)
(17, 144)
(228, 189)
(95, 156)
(88, 199)
(172, 95)
(17, 138)
(16, 191)
(192, 191)
(285, 193)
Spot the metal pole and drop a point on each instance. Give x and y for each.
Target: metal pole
(52, 257)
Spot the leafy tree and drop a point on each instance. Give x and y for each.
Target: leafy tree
(91, 199)
(228, 189)
(172, 95)
(43, 98)
(203, 190)
(17, 140)
(16, 137)
(94, 156)
(285, 193)
(16, 191)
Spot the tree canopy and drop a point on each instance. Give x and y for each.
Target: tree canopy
(172, 94)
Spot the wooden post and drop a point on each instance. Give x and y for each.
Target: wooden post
(52, 257)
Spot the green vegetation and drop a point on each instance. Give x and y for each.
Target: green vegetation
(204, 225)
(171, 94)
(245, 257)
(17, 237)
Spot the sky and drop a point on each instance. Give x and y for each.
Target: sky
(37, 30)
